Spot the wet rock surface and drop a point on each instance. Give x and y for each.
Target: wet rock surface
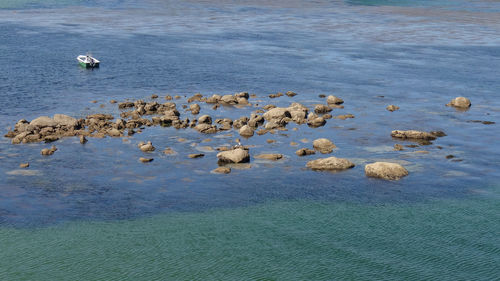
(238, 155)
(330, 163)
(271, 156)
(385, 170)
(323, 145)
(460, 102)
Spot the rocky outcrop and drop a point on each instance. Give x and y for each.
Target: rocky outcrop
(323, 145)
(330, 163)
(412, 135)
(460, 102)
(238, 155)
(385, 170)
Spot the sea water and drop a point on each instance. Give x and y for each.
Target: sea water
(94, 212)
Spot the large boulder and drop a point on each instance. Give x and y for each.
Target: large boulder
(194, 108)
(460, 102)
(385, 170)
(246, 131)
(323, 145)
(237, 155)
(412, 134)
(229, 99)
(43, 121)
(330, 163)
(65, 120)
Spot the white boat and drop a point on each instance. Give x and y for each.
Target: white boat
(88, 61)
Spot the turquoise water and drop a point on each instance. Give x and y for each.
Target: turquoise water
(94, 212)
(297, 240)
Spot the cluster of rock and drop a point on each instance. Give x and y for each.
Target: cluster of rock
(134, 117)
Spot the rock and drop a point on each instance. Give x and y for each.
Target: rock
(222, 170)
(47, 139)
(205, 119)
(450, 156)
(154, 96)
(292, 143)
(385, 170)
(237, 155)
(276, 95)
(412, 134)
(398, 147)
(145, 160)
(304, 152)
(269, 106)
(196, 155)
(330, 163)
(438, 134)
(43, 121)
(206, 128)
(65, 120)
(147, 147)
(24, 165)
(344, 116)
(49, 151)
(113, 101)
(228, 99)
(169, 151)
(298, 112)
(334, 100)
(460, 102)
(246, 131)
(126, 104)
(323, 145)
(195, 108)
(168, 97)
(278, 113)
(114, 132)
(392, 108)
(271, 156)
(321, 108)
(314, 121)
(290, 94)
(270, 141)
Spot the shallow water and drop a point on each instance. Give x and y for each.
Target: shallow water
(416, 54)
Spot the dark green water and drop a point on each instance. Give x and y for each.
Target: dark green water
(300, 240)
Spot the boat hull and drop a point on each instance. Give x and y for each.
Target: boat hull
(88, 65)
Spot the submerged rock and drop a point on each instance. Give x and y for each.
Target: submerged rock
(460, 102)
(145, 160)
(398, 147)
(24, 165)
(237, 155)
(330, 163)
(385, 170)
(222, 170)
(323, 145)
(196, 155)
(272, 156)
